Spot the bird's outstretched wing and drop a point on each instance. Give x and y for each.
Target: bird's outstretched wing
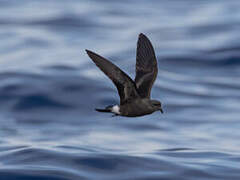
(125, 85)
(146, 66)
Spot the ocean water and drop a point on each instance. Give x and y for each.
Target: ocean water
(49, 89)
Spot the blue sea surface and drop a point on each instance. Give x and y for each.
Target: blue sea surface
(49, 88)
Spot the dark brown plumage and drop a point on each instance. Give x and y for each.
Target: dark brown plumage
(125, 85)
(134, 95)
(146, 66)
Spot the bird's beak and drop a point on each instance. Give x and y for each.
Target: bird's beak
(161, 110)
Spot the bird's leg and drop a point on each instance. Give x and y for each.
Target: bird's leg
(114, 115)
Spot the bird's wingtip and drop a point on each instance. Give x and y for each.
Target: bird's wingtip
(141, 35)
(89, 53)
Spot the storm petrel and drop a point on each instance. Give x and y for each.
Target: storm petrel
(134, 95)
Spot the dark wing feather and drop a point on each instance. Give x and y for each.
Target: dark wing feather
(146, 66)
(125, 85)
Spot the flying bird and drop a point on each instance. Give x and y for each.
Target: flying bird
(134, 95)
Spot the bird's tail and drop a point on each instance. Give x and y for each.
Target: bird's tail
(107, 109)
(103, 110)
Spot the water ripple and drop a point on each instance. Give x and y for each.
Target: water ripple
(50, 88)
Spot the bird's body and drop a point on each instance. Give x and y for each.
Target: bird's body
(134, 95)
(138, 107)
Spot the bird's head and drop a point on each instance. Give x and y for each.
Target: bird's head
(157, 105)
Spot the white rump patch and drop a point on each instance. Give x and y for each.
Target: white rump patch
(116, 109)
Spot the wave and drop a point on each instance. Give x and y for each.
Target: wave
(164, 164)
